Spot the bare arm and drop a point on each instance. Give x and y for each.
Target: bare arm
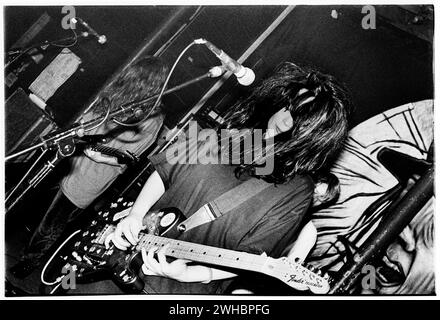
(304, 243)
(131, 225)
(151, 192)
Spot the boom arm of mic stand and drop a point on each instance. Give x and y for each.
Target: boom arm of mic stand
(176, 88)
(51, 140)
(54, 138)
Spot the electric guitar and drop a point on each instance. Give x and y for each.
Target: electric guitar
(88, 256)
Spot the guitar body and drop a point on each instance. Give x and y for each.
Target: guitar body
(86, 254)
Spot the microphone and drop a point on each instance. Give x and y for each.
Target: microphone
(101, 38)
(245, 76)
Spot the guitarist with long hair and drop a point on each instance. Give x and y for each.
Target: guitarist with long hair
(92, 172)
(305, 112)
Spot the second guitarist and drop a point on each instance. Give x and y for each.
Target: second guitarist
(92, 174)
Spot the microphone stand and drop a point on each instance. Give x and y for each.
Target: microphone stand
(64, 150)
(65, 140)
(77, 129)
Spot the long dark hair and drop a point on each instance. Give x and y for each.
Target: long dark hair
(319, 106)
(141, 79)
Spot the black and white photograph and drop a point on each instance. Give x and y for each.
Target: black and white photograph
(230, 150)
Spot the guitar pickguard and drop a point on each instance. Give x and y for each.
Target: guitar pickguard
(87, 255)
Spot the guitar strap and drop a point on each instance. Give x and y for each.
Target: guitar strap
(224, 203)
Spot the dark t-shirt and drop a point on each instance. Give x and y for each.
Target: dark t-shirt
(267, 222)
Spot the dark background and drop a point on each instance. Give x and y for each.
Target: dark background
(382, 68)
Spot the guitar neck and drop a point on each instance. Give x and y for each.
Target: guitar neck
(108, 151)
(292, 273)
(205, 254)
(123, 158)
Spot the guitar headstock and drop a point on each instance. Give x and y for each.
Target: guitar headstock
(297, 276)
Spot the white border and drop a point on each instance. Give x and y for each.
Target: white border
(198, 297)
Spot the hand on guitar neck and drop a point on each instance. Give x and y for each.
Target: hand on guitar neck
(109, 155)
(179, 270)
(100, 158)
(154, 251)
(96, 149)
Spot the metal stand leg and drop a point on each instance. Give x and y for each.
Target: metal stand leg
(387, 231)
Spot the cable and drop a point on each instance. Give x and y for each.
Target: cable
(162, 90)
(75, 40)
(104, 119)
(59, 279)
(53, 43)
(56, 287)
